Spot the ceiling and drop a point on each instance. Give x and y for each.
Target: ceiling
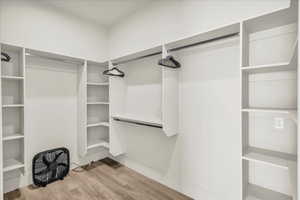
(102, 12)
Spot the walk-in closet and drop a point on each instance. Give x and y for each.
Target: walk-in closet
(149, 100)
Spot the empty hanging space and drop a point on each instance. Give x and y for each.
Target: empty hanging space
(269, 106)
(137, 97)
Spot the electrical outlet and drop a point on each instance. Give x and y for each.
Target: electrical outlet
(278, 123)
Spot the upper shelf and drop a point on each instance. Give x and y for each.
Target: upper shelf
(200, 37)
(139, 121)
(139, 54)
(284, 66)
(205, 36)
(53, 56)
(277, 18)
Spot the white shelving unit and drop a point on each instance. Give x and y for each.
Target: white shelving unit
(12, 116)
(94, 105)
(252, 110)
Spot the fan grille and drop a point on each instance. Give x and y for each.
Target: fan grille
(50, 166)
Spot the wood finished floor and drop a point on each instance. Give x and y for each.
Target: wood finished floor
(104, 180)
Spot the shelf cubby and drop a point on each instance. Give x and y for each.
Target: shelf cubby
(94, 74)
(12, 92)
(13, 68)
(12, 164)
(97, 94)
(290, 65)
(272, 158)
(97, 136)
(13, 155)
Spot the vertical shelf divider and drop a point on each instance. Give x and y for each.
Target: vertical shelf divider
(170, 102)
(244, 61)
(82, 109)
(1, 138)
(23, 73)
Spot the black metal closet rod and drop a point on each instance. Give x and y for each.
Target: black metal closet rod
(138, 123)
(180, 48)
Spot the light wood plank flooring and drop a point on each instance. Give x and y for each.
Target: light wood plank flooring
(103, 180)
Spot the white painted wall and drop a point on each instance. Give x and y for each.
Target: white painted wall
(204, 160)
(168, 20)
(35, 25)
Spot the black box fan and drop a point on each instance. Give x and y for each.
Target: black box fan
(49, 166)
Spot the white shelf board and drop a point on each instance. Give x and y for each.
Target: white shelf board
(100, 143)
(138, 120)
(13, 137)
(255, 192)
(139, 54)
(12, 77)
(12, 164)
(13, 106)
(97, 84)
(204, 36)
(53, 56)
(275, 67)
(284, 66)
(98, 103)
(105, 124)
(270, 110)
(277, 18)
(272, 158)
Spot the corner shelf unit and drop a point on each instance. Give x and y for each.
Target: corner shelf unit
(94, 104)
(12, 135)
(256, 156)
